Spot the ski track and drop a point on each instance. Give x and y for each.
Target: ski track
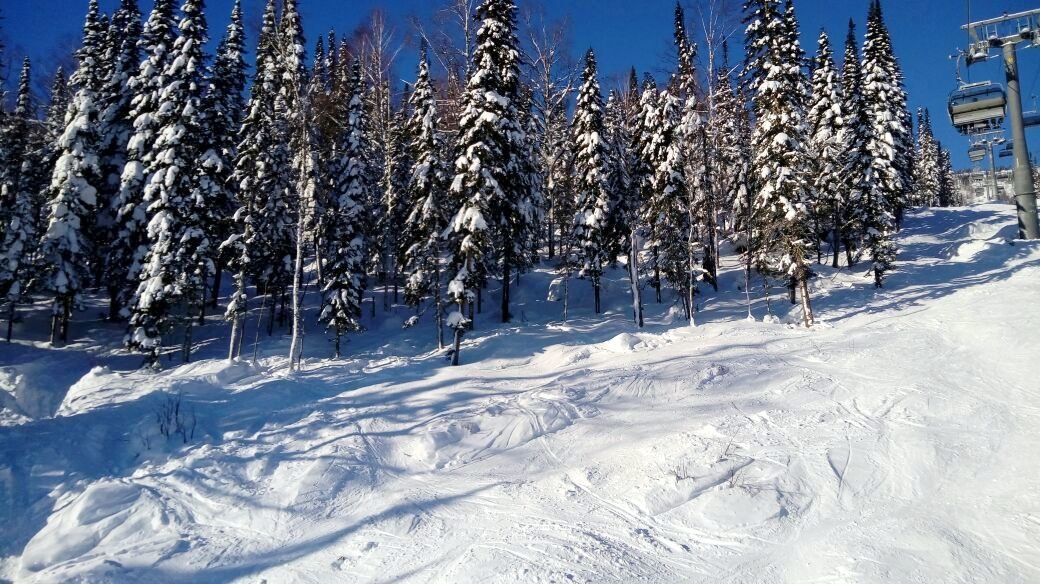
(895, 442)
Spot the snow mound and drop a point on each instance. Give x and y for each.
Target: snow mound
(112, 521)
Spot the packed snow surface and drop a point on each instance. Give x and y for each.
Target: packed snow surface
(895, 442)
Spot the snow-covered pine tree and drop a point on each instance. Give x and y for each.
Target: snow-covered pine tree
(591, 169)
(421, 242)
(779, 217)
(253, 178)
(947, 194)
(178, 193)
(623, 197)
(224, 108)
(669, 205)
(72, 194)
(927, 178)
(491, 179)
(647, 156)
(857, 160)
(686, 56)
(128, 249)
(123, 58)
(19, 238)
(883, 101)
(345, 267)
(828, 150)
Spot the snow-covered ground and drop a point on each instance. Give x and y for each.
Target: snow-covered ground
(895, 442)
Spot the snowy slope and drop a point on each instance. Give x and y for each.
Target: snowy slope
(895, 442)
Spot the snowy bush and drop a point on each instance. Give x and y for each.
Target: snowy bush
(173, 419)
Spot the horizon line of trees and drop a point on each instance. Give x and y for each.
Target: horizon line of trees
(153, 177)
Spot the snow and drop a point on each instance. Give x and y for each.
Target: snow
(894, 442)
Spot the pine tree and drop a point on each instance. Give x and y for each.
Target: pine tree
(779, 216)
(421, 236)
(648, 155)
(19, 237)
(178, 193)
(927, 178)
(490, 180)
(72, 193)
(127, 253)
(115, 129)
(619, 161)
(828, 149)
(947, 192)
(686, 54)
(857, 161)
(345, 267)
(591, 168)
(886, 185)
(224, 108)
(254, 178)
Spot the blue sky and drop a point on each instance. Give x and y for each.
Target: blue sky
(624, 33)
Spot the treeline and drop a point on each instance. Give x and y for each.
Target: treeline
(153, 178)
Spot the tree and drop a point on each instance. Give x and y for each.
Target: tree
(72, 193)
(254, 176)
(127, 252)
(648, 154)
(491, 176)
(427, 219)
(686, 54)
(591, 167)
(884, 101)
(178, 192)
(123, 58)
(857, 161)
(345, 267)
(779, 214)
(224, 107)
(18, 239)
(927, 179)
(828, 150)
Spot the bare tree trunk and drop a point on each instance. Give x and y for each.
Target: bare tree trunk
(505, 290)
(235, 346)
(10, 321)
(296, 347)
(803, 285)
(218, 276)
(633, 276)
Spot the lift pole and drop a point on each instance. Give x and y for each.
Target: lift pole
(1007, 32)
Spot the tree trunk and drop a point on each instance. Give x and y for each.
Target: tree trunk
(803, 284)
(505, 290)
(633, 276)
(10, 321)
(296, 346)
(189, 320)
(113, 304)
(455, 346)
(218, 276)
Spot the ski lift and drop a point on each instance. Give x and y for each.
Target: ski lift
(976, 153)
(1008, 150)
(977, 107)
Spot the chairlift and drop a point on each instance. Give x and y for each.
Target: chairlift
(977, 107)
(1007, 151)
(976, 153)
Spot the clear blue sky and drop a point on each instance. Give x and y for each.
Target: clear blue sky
(623, 33)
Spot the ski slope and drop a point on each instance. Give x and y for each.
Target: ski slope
(894, 442)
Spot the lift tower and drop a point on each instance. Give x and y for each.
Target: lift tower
(1006, 33)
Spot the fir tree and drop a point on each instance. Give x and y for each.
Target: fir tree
(72, 194)
(19, 237)
(857, 160)
(686, 54)
(591, 168)
(427, 219)
(648, 156)
(927, 180)
(254, 179)
(828, 149)
(345, 267)
(126, 256)
(178, 192)
(779, 216)
(491, 179)
(224, 107)
(884, 101)
(115, 129)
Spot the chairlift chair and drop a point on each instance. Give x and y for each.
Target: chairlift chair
(976, 153)
(977, 107)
